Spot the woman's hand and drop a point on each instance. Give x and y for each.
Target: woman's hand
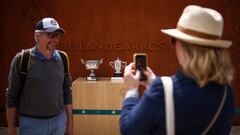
(131, 79)
(150, 75)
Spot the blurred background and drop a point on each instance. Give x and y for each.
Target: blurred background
(109, 29)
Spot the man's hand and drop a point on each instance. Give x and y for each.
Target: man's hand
(11, 131)
(11, 117)
(69, 124)
(69, 129)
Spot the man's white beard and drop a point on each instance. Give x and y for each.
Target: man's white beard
(51, 49)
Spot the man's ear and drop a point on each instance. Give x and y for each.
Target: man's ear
(37, 37)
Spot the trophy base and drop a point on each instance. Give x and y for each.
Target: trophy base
(116, 78)
(117, 75)
(91, 78)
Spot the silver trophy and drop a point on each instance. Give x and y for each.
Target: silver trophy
(118, 65)
(91, 65)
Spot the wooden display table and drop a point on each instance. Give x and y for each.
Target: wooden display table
(96, 106)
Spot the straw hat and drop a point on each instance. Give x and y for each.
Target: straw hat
(201, 26)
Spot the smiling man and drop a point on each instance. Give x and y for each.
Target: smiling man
(40, 85)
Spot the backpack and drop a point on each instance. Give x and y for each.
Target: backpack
(25, 59)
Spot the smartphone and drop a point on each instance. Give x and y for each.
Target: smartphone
(140, 60)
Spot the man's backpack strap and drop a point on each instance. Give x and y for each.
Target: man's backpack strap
(65, 61)
(25, 61)
(24, 65)
(26, 58)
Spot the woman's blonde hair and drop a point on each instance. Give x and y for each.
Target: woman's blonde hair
(207, 64)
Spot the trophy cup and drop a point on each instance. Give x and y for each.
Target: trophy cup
(91, 65)
(117, 65)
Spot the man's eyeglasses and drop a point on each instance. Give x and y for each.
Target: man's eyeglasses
(54, 35)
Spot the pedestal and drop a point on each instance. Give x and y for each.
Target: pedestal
(96, 106)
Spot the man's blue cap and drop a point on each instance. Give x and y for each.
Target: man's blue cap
(48, 25)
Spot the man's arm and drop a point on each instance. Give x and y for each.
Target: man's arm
(11, 120)
(12, 95)
(67, 89)
(68, 109)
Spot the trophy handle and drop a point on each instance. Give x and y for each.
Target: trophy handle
(82, 61)
(100, 62)
(124, 64)
(111, 64)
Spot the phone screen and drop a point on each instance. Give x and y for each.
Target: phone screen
(141, 64)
